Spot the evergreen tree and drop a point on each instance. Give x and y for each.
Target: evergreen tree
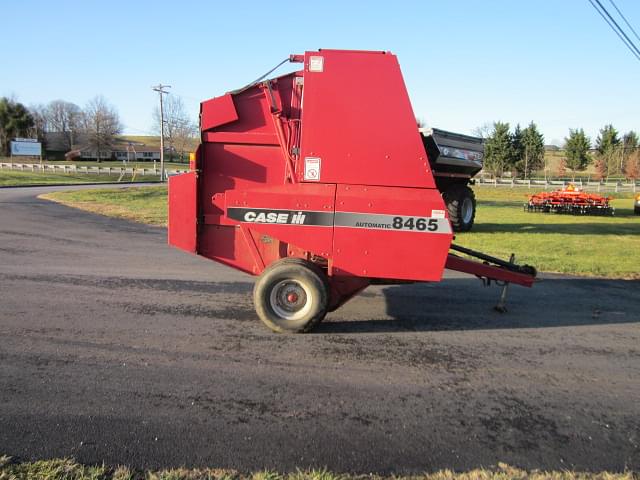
(576, 148)
(607, 145)
(532, 151)
(497, 149)
(630, 144)
(517, 149)
(630, 140)
(15, 121)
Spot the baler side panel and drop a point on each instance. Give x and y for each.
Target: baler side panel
(357, 118)
(241, 157)
(232, 168)
(182, 214)
(217, 111)
(368, 244)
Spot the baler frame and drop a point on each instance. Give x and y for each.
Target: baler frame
(309, 198)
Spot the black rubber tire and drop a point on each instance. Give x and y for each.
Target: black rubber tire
(309, 277)
(636, 210)
(455, 197)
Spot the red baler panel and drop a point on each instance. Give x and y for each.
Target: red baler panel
(390, 232)
(182, 215)
(357, 118)
(236, 168)
(227, 245)
(217, 111)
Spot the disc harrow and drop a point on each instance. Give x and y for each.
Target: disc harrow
(570, 200)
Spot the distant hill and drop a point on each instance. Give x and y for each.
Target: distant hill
(150, 140)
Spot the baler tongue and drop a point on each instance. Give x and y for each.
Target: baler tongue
(492, 268)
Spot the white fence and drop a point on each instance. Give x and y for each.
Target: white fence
(92, 170)
(610, 186)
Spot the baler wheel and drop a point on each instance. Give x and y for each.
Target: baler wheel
(461, 204)
(291, 296)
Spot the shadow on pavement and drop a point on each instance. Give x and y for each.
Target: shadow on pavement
(464, 304)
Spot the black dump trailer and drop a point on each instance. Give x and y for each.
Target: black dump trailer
(455, 159)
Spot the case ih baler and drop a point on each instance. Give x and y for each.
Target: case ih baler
(318, 181)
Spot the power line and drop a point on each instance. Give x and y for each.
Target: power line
(618, 27)
(630, 45)
(624, 18)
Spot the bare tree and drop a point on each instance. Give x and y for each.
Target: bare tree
(185, 135)
(483, 131)
(101, 123)
(64, 118)
(40, 125)
(179, 129)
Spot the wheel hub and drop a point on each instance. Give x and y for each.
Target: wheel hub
(288, 299)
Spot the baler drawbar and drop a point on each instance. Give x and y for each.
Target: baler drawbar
(319, 183)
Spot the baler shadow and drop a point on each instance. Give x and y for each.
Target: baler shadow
(463, 304)
(626, 228)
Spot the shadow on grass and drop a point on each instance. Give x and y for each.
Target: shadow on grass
(463, 304)
(617, 228)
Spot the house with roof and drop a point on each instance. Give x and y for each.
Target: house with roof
(64, 146)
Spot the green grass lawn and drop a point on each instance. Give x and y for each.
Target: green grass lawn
(70, 470)
(140, 204)
(579, 245)
(17, 178)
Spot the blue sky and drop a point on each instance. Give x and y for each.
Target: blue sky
(465, 63)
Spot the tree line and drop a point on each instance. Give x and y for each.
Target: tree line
(96, 125)
(521, 152)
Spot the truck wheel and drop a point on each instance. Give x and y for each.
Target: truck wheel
(291, 296)
(461, 204)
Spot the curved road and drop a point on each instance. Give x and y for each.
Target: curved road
(117, 348)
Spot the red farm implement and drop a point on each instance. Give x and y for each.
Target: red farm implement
(570, 200)
(318, 182)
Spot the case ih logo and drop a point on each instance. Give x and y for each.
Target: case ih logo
(281, 217)
(274, 217)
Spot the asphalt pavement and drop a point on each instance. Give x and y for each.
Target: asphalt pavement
(117, 348)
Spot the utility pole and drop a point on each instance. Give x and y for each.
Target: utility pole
(160, 89)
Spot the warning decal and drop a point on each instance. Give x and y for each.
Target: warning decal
(312, 169)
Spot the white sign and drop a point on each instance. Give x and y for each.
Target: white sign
(312, 169)
(33, 149)
(316, 64)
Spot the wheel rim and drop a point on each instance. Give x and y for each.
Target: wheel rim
(467, 210)
(290, 300)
